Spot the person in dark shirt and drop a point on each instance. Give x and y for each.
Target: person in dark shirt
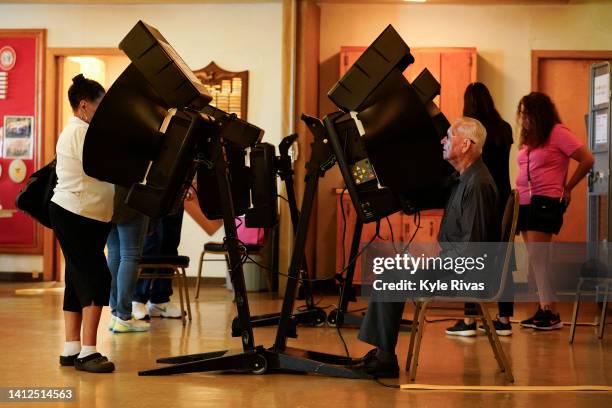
(478, 104)
(469, 216)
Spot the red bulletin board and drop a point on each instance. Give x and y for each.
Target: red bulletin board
(20, 101)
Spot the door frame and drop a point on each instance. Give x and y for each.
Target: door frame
(538, 56)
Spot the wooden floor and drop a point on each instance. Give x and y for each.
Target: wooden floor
(31, 337)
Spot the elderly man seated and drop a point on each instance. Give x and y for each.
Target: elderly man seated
(470, 216)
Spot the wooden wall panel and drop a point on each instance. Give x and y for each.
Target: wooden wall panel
(456, 73)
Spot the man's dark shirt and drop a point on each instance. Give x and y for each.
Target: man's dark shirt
(471, 213)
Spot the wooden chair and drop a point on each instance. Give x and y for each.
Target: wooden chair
(592, 286)
(178, 265)
(508, 231)
(219, 248)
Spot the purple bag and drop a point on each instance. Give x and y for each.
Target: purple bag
(249, 236)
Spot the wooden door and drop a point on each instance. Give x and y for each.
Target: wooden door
(457, 71)
(564, 76)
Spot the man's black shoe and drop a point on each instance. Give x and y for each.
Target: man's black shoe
(368, 356)
(462, 329)
(68, 360)
(502, 329)
(372, 366)
(94, 363)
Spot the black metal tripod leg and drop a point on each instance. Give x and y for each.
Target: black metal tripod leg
(243, 361)
(314, 316)
(332, 358)
(295, 363)
(191, 357)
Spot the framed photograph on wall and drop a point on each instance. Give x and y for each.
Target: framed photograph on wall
(22, 53)
(19, 135)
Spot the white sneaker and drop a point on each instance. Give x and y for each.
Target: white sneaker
(131, 325)
(166, 309)
(111, 322)
(139, 311)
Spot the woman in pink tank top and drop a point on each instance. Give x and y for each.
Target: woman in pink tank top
(545, 191)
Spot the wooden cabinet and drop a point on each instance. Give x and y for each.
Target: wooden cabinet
(399, 229)
(454, 68)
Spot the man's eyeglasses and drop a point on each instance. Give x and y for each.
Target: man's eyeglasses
(450, 135)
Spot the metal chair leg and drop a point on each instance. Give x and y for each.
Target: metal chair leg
(180, 291)
(421, 328)
(604, 308)
(572, 332)
(499, 354)
(227, 264)
(202, 254)
(489, 330)
(489, 327)
(413, 331)
(186, 293)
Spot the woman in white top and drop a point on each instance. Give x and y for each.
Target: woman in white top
(80, 211)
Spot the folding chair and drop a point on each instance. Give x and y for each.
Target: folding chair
(508, 231)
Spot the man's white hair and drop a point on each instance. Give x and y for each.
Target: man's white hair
(472, 129)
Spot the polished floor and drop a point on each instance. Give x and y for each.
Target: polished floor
(31, 337)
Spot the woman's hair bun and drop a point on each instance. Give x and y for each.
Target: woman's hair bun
(78, 79)
(83, 88)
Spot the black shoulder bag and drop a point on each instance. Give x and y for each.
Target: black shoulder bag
(35, 197)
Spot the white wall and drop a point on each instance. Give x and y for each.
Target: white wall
(235, 36)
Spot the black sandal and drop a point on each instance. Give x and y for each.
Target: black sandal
(94, 363)
(68, 360)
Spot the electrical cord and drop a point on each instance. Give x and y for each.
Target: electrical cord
(239, 225)
(343, 226)
(243, 250)
(305, 307)
(286, 275)
(396, 386)
(446, 319)
(280, 196)
(366, 246)
(358, 310)
(392, 235)
(346, 350)
(417, 221)
(341, 294)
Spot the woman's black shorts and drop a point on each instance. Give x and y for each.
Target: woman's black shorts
(527, 222)
(82, 239)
